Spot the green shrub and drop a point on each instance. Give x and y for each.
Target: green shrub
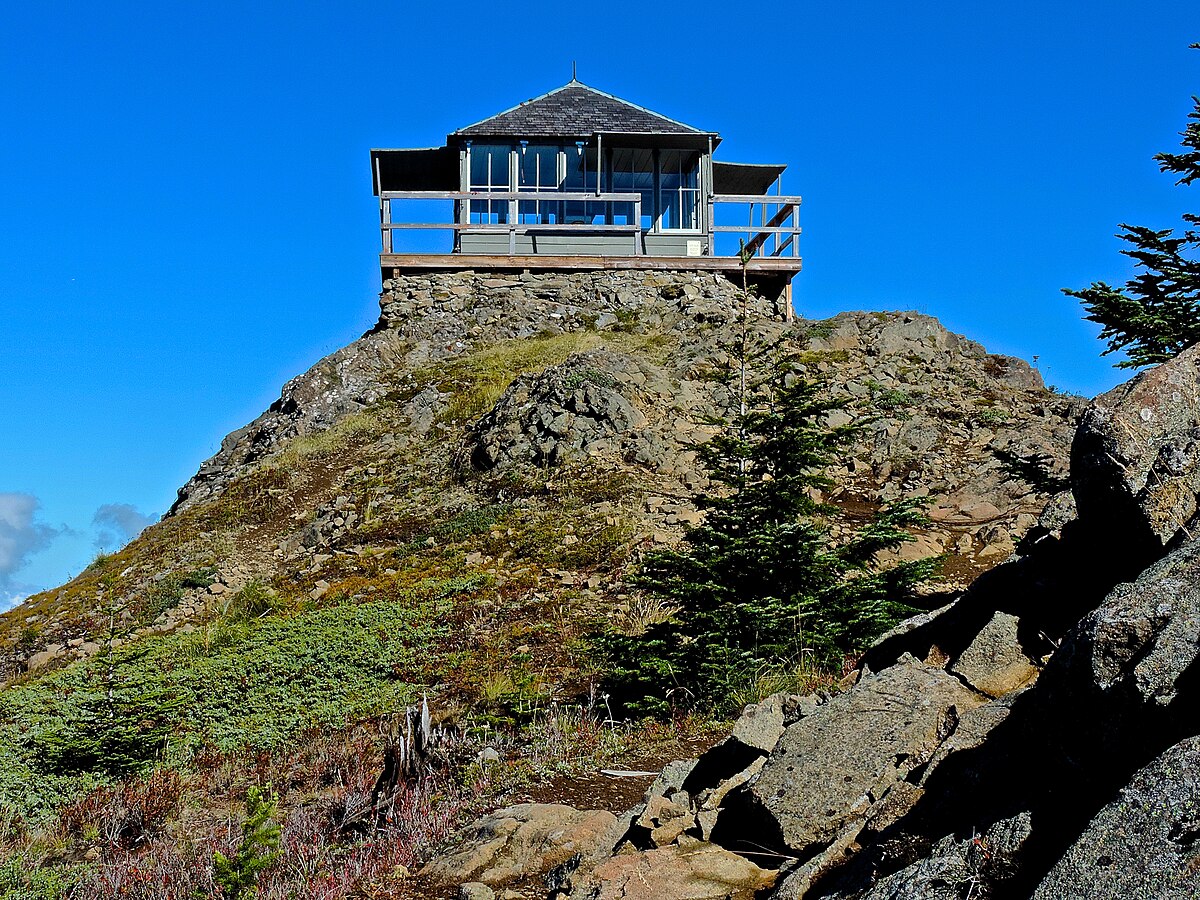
(20, 879)
(230, 685)
(198, 578)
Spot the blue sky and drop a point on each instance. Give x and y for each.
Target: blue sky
(186, 218)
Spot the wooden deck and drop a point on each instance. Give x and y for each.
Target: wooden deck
(403, 263)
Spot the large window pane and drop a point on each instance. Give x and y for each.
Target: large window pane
(581, 176)
(633, 173)
(489, 172)
(679, 194)
(538, 167)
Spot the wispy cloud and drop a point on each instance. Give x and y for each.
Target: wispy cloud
(118, 524)
(20, 537)
(14, 594)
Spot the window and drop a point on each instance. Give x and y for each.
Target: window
(539, 169)
(678, 190)
(667, 181)
(633, 173)
(581, 177)
(489, 172)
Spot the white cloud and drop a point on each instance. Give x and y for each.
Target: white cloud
(14, 595)
(118, 524)
(20, 538)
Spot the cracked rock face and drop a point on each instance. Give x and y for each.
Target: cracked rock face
(1134, 463)
(1121, 672)
(830, 769)
(582, 406)
(1146, 843)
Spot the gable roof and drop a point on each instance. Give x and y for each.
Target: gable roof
(575, 110)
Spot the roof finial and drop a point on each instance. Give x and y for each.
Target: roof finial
(574, 77)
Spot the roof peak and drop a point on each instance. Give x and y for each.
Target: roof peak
(552, 113)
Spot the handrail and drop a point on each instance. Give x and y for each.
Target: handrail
(512, 229)
(772, 222)
(756, 198)
(520, 227)
(606, 197)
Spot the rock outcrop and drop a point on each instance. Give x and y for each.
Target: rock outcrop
(833, 772)
(1039, 736)
(1143, 843)
(1136, 458)
(514, 843)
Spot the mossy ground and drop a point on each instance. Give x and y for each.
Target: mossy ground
(478, 592)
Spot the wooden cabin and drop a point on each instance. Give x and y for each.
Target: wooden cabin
(578, 179)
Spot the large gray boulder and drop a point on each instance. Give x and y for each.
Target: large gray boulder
(1116, 679)
(834, 769)
(1143, 843)
(578, 407)
(526, 840)
(955, 867)
(1134, 462)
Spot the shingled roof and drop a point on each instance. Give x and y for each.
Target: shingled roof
(575, 110)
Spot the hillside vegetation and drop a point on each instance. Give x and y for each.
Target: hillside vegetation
(449, 508)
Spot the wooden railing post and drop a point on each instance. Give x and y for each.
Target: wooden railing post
(385, 222)
(637, 220)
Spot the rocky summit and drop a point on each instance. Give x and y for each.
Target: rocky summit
(375, 604)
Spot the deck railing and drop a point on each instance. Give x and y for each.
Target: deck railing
(513, 227)
(777, 231)
(779, 223)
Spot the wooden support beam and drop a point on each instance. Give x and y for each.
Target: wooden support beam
(776, 266)
(385, 223)
(769, 228)
(779, 250)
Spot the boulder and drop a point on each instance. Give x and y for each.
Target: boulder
(524, 840)
(698, 871)
(831, 768)
(954, 868)
(1134, 460)
(760, 725)
(577, 407)
(1142, 844)
(994, 662)
(45, 657)
(1117, 677)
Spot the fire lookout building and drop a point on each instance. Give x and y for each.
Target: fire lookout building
(578, 179)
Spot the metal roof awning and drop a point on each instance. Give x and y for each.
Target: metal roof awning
(744, 178)
(420, 169)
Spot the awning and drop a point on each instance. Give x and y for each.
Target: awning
(744, 178)
(423, 169)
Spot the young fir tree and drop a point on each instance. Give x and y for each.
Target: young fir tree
(237, 877)
(117, 720)
(762, 582)
(1157, 313)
